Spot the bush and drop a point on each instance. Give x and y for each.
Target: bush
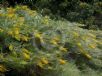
(81, 11)
(33, 45)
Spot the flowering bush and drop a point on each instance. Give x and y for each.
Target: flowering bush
(33, 45)
(83, 11)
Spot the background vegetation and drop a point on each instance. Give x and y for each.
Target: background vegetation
(87, 12)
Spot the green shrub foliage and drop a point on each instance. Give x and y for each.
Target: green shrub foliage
(87, 12)
(33, 45)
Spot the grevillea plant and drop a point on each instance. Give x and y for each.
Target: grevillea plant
(33, 45)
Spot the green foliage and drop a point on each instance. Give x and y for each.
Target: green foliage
(87, 12)
(33, 45)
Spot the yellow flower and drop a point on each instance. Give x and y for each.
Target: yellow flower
(46, 20)
(32, 13)
(44, 61)
(17, 37)
(2, 68)
(57, 39)
(16, 31)
(24, 38)
(24, 7)
(40, 64)
(75, 34)
(26, 56)
(62, 61)
(38, 35)
(11, 10)
(63, 49)
(25, 51)
(11, 47)
(10, 15)
(88, 56)
(54, 42)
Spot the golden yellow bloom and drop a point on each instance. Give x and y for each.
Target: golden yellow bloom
(38, 35)
(57, 39)
(11, 47)
(44, 61)
(62, 61)
(24, 38)
(40, 64)
(26, 56)
(16, 31)
(46, 20)
(25, 51)
(24, 7)
(11, 10)
(10, 15)
(17, 37)
(32, 13)
(2, 68)
(54, 42)
(63, 49)
(75, 34)
(88, 56)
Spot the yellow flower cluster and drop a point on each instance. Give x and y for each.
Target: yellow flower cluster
(62, 61)
(24, 38)
(63, 49)
(55, 40)
(26, 54)
(10, 47)
(43, 61)
(85, 53)
(39, 35)
(2, 68)
(15, 33)
(10, 12)
(75, 34)
(45, 20)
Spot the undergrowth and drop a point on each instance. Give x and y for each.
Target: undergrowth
(33, 45)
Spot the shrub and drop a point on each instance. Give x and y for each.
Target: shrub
(82, 11)
(33, 45)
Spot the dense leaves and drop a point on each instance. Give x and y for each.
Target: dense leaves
(87, 12)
